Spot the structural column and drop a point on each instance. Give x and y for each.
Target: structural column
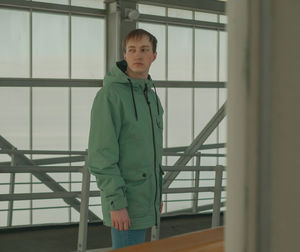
(118, 26)
(263, 126)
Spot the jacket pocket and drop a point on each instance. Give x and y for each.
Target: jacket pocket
(139, 194)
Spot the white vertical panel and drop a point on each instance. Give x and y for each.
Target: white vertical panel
(50, 118)
(205, 109)
(88, 48)
(14, 43)
(50, 46)
(223, 56)
(223, 124)
(180, 117)
(82, 100)
(205, 55)
(180, 53)
(14, 114)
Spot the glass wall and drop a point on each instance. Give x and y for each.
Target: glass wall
(47, 45)
(59, 46)
(189, 54)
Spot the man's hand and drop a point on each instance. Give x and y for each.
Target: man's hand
(120, 219)
(161, 206)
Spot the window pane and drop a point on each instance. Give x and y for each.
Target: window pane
(205, 55)
(21, 217)
(208, 17)
(178, 13)
(14, 43)
(50, 118)
(179, 117)
(223, 19)
(65, 2)
(179, 53)
(97, 4)
(82, 100)
(158, 67)
(205, 109)
(50, 46)
(58, 215)
(151, 10)
(223, 56)
(14, 114)
(88, 48)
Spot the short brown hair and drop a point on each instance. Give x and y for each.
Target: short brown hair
(138, 34)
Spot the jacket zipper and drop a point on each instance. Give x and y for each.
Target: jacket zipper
(154, 147)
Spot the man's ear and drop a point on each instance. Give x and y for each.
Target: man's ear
(124, 56)
(154, 56)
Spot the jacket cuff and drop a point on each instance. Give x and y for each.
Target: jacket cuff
(118, 202)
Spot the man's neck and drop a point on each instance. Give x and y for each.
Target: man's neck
(136, 76)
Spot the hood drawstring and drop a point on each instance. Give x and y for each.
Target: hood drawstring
(133, 99)
(156, 99)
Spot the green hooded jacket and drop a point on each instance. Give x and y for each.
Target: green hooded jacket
(125, 147)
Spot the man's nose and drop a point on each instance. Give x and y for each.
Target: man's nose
(138, 54)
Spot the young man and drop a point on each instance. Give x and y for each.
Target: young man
(125, 143)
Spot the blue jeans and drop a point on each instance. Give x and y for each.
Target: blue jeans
(122, 239)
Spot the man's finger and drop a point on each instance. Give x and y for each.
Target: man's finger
(125, 225)
(121, 225)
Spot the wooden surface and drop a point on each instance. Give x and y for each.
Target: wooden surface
(210, 240)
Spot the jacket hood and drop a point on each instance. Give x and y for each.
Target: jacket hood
(117, 75)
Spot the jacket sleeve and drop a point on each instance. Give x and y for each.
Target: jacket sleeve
(103, 149)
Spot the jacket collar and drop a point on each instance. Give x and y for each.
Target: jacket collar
(122, 65)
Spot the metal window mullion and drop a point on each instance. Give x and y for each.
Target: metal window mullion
(30, 111)
(193, 92)
(218, 89)
(166, 98)
(70, 105)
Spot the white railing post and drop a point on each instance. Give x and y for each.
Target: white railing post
(155, 233)
(84, 206)
(196, 184)
(11, 191)
(217, 196)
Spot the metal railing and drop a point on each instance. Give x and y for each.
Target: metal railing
(85, 193)
(20, 163)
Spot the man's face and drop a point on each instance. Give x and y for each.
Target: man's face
(139, 57)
